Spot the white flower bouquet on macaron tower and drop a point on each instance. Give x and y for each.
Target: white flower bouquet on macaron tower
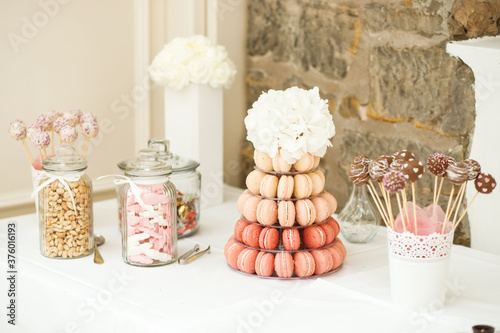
(286, 229)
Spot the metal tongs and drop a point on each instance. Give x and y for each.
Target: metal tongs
(192, 255)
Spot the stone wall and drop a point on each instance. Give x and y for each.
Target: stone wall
(383, 67)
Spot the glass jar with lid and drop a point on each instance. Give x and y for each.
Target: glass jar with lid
(64, 205)
(187, 181)
(149, 221)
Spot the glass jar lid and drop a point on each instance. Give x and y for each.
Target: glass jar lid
(147, 164)
(65, 159)
(179, 164)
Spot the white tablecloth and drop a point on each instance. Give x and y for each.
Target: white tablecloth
(206, 296)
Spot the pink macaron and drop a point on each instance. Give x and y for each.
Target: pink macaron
(279, 163)
(264, 264)
(269, 238)
(242, 200)
(267, 212)
(318, 183)
(269, 186)
(336, 256)
(305, 163)
(254, 180)
(335, 225)
(285, 187)
(250, 208)
(238, 229)
(230, 242)
(286, 213)
(322, 209)
(263, 161)
(246, 260)
(339, 245)
(305, 213)
(329, 233)
(291, 239)
(304, 264)
(283, 264)
(302, 186)
(323, 261)
(314, 237)
(251, 235)
(233, 251)
(332, 202)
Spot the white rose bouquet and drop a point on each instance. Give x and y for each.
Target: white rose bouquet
(296, 120)
(195, 59)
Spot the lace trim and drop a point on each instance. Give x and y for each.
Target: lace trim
(407, 245)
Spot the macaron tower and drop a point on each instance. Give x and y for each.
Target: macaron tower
(286, 229)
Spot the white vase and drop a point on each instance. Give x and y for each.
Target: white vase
(194, 126)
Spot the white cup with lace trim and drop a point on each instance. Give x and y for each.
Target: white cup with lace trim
(418, 268)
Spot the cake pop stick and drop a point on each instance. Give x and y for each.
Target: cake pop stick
(58, 124)
(376, 169)
(457, 174)
(437, 164)
(17, 131)
(484, 183)
(90, 130)
(445, 222)
(413, 171)
(384, 218)
(458, 201)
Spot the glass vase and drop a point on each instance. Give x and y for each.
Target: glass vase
(359, 219)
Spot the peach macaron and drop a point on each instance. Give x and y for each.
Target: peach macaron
(336, 256)
(306, 162)
(254, 180)
(269, 186)
(335, 225)
(286, 213)
(263, 161)
(242, 200)
(322, 209)
(269, 238)
(329, 233)
(251, 235)
(291, 239)
(323, 261)
(279, 163)
(232, 254)
(283, 264)
(318, 183)
(302, 186)
(264, 264)
(304, 264)
(246, 260)
(238, 229)
(314, 237)
(267, 212)
(305, 213)
(285, 187)
(332, 202)
(250, 208)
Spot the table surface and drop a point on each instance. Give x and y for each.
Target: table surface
(206, 296)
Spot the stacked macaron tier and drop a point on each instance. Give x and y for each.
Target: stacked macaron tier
(286, 229)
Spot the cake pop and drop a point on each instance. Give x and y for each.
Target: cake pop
(397, 165)
(17, 131)
(53, 114)
(377, 168)
(77, 114)
(45, 122)
(395, 182)
(32, 129)
(361, 159)
(358, 173)
(60, 123)
(71, 117)
(484, 183)
(413, 171)
(87, 118)
(68, 134)
(473, 167)
(457, 172)
(388, 158)
(404, 155)
(41, 140)
(437, 164)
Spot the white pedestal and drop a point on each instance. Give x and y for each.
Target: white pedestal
(194, 126)
(483, 57)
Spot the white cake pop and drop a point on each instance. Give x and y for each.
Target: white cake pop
(60, 123)
(41, 140)
(87, 118)
(17, 129)
(53, 114)
(45, 122)
(32, 130)
(90, 129)
(71, 117)
(77, 113)
(68, 134)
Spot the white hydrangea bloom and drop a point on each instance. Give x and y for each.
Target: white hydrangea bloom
(296, 120)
